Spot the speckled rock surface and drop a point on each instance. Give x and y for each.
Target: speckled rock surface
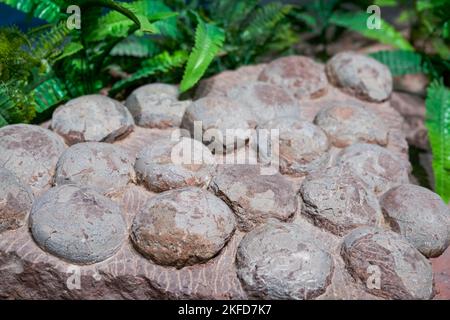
(257, 197)
(15, 201)
(99, 165)
(360, 75)
(379, 168)
(412, 108)
(348, 123)
(301, 76)
(77, 224)
(420, 216)
(156, 106)
(404, 272)
(182, 227)
(254, 197)
(168, 165)
(223, 82)
(275, 261)
(92, 118)
(302, 146)
(265, 101)
(31, 153)
(338, 201)
(216, 118)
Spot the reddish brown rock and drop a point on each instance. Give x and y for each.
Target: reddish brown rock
(420, 216)
(221, 83)
(412, 83)
(77, 224)
(92, 118)
(15, 201)
(337, 201)
(302, 146)
(253, 196)
(182, 227)
(299, 75)
(166, 165)
(412, 108)
(379, 168)
(31, 153)
(402, 272)
(360, 75)
(27, 272)
(156, 105)
(275, 261)
(222, 124)
(265, 102)
(101, 166)
(348, 123)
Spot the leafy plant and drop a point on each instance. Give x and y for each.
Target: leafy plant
(438, 125)
(51, 64)
(208, 41)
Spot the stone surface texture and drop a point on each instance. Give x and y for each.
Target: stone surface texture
(350, 123)
(166, 165)
(92, 118)
(420, 216)
(379, 168)
(156, 106)
(338, 201)
(77, 224)
(254, 197)
(404, 272)
(213, 120)
(302, 146)
(303, 77)
(16, 200)
(182, 227)
(31, 153)
(311, 228)
(265, 102)
(277, 261)
(360, 75)
(99, 165)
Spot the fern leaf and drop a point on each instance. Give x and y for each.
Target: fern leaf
(264, 21)
(400, 62)
(161, 63)
(49, 94)
(357, 21)
(15, 105)
(438, 125)
(48, 10)
(139, 47)
(70, 50)
(209, 40)
(3, 122)
(49, 45)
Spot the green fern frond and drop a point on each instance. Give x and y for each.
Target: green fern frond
(48, 10)
(117, 24)
(209, 40)
(69, 50)
(49, 94)
(232, 12)
(438, 125)
(3, 122)
(133, 46)
(49, 45)
(400, 62)
(16, 61)
(357, 21)
(161, 63)
(15, 105)
(263, 22)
